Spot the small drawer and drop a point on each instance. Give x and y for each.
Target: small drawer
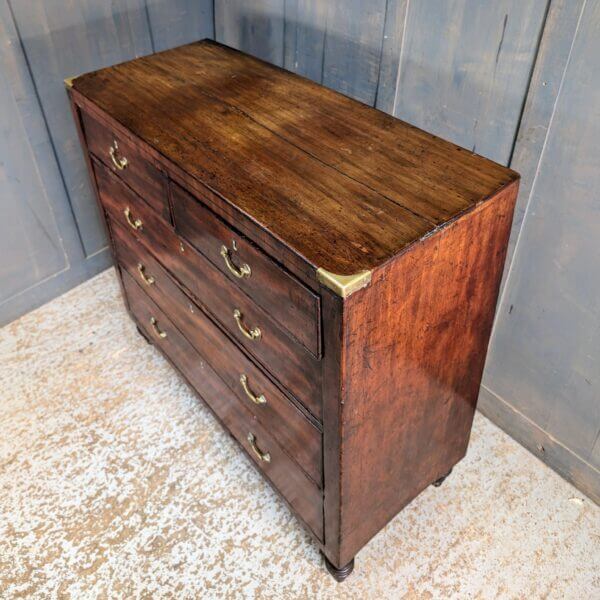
(295, 307)
(300, 438)
(126, 161)
(291, 482)
(287, 360)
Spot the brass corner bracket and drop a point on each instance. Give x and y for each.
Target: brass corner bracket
(344, 285)
(69, 82)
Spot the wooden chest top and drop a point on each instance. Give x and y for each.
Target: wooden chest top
(344, 186)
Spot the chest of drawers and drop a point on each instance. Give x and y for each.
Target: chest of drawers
(323, 275)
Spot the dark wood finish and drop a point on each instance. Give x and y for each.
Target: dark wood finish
(438, 482)
(140, 173)
(300, 438)
(302, 495)
(286, 359)
(413, 350)
(319, 202)
(371, 390)
(143, 334)
(339, 573)
(288, 301)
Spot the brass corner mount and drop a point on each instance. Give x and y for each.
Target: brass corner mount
(344, 285)
(69, 82)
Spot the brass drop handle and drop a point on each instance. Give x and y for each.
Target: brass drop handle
(147, 279)
(133, 223)
(121, 163)
(256, 399)
(243, 271)
(252, 334)
(161, 334)
(263, 456)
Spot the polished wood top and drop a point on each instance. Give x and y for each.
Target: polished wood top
(345, 186)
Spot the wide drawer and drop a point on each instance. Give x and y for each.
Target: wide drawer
(126, 161)
(293, 430)
(303, 495)
(287, 360)
(294, 306)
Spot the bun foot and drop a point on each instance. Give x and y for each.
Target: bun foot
(441, 480)
(339, 574)
(143, 335)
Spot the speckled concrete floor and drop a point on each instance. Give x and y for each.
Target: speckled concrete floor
(117, 483)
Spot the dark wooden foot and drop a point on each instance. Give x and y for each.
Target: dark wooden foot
(140, 331)
(441, 480)
(339, 574)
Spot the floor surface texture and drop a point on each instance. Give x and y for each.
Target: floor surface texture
(116, 482)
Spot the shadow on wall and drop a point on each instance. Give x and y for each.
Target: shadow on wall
(471, 95)
(346, 61)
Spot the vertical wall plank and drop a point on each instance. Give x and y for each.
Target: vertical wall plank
(177, 22)
(305, 25)
(389, 70)
(336, 43)
(254, 27)
(62, 38)
(30, 243)
(353, 46)
(41, 251)
(554, 52)
(465, 69)
(544, 358)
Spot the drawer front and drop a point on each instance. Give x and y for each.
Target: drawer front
(138, 172)
(288, 361)
(291, 303)
(291, 482)
(294, 432)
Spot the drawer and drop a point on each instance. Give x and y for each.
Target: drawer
(291, 482)
(288, 361)
(295, 307)
(282, 418)
(139, 173)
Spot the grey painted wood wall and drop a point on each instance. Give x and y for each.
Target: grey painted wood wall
(51, 237)
(517, 81)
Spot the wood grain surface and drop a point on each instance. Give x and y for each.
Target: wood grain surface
(287, 300)
(396, 379)
(292, 365)
(296, 434)
(345, 186)
(297, 489)
(413, 347)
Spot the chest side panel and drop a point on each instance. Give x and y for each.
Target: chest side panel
(414, 346)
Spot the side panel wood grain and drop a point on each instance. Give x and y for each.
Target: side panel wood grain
(414, 346)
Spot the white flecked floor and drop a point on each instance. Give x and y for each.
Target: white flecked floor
(115, 482)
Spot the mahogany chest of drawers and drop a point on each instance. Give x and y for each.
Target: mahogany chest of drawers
(323, 275)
